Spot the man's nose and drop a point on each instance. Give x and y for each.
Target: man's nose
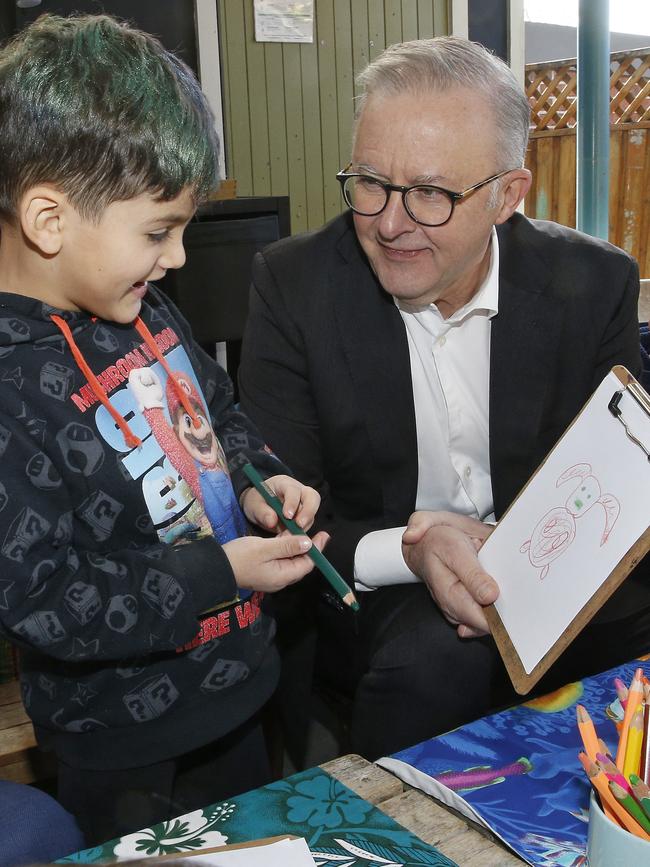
(394, 219)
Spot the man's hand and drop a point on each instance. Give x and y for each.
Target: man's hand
(271, 564)
(441, 549)
(299, 502)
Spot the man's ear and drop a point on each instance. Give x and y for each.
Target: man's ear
(42, 214)
(514, 187)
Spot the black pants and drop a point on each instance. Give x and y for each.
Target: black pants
(111, 803)
(410, 677)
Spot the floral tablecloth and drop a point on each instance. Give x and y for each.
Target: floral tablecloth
(341, 828)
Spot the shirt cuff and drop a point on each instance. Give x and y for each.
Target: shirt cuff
(378, 560)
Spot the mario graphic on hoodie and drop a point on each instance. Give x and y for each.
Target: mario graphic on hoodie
(192, 448)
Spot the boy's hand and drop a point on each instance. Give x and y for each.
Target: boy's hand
(299, 502)
(271, 564)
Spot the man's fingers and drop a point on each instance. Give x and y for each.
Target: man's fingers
(459, 555)
(465, 631)
(420, 522)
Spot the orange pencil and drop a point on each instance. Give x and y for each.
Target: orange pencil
(611, 806)
(587, 732)
(632, 760)
(633, 701)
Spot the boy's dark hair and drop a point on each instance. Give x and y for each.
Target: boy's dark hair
(102, 111)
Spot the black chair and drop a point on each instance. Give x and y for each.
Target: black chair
(211, 289)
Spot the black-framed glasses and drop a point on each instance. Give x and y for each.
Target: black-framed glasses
(424, 203)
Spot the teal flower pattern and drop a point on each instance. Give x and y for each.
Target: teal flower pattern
(324, 802)
(342, 830)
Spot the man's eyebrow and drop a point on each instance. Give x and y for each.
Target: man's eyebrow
(432, 180)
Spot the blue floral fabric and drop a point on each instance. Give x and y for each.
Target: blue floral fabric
(519, 769)
(341, 829)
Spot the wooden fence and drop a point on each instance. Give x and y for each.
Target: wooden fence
(551, 89)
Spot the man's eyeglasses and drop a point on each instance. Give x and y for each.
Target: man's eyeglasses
(427, 205)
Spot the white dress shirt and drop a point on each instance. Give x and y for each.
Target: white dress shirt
(450, 370)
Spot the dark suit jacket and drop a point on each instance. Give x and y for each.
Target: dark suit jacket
(325, 369)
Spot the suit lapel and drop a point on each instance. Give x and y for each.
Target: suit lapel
(376, 348)
(523, 358)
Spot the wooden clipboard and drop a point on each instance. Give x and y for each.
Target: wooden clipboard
(522, 679)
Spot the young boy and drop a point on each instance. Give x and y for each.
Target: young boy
(143, 665)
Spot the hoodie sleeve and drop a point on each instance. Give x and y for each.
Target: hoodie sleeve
(68, 594)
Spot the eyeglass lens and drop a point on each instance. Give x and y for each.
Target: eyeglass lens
(425, 204)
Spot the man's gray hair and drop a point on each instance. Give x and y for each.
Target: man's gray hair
(450, 61)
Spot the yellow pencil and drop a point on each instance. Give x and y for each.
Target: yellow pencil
(634, 699)
(632, 760)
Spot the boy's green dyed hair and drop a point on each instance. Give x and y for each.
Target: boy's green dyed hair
(103, 112)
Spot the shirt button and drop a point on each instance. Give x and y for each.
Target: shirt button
(442, 341)
(468, 472)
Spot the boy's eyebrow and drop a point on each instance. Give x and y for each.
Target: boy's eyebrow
(174, 218)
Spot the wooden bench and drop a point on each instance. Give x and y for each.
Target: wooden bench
(20, 758)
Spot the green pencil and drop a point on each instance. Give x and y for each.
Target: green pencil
(641, 792)
(630, 804)
(319, 559)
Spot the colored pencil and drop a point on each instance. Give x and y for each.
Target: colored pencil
(587, 731)
(599, 781)
(611, 807)
(621, 691)
(641, 792)
(629, 803)
(612, 771)
(323, 564)
(604, 749)
(633, 701)
(631, 764)
(644, 770)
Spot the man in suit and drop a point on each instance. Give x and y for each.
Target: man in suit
(422, 353)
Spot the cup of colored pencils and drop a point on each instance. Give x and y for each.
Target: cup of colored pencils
(619, 810)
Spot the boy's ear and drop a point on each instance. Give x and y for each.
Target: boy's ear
(42, 214)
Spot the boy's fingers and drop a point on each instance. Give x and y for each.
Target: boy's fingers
(320, 539)
(284, 547)
(309, 503)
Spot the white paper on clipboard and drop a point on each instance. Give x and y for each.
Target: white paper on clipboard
(576, 519)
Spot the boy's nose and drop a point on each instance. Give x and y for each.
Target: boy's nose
(173, 256)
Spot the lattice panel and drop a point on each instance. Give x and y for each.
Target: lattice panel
(630, 89)
(552, 93)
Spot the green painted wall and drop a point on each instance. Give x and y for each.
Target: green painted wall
(288, 108)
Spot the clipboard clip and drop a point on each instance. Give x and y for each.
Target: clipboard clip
(642, 399)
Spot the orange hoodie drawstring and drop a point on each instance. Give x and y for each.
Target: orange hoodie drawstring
(100, 392)
(148, 338)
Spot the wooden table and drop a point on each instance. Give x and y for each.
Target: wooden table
(459, 839)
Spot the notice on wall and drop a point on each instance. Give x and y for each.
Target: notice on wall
(284, 20)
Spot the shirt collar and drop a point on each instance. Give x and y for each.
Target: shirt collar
(486, 298)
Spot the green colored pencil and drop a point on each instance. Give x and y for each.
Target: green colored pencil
(629, 803)
(317, 556)
(641, 792)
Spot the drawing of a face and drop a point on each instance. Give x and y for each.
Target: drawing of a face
(200, 442)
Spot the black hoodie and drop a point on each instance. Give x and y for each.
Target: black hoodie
(108, 561)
